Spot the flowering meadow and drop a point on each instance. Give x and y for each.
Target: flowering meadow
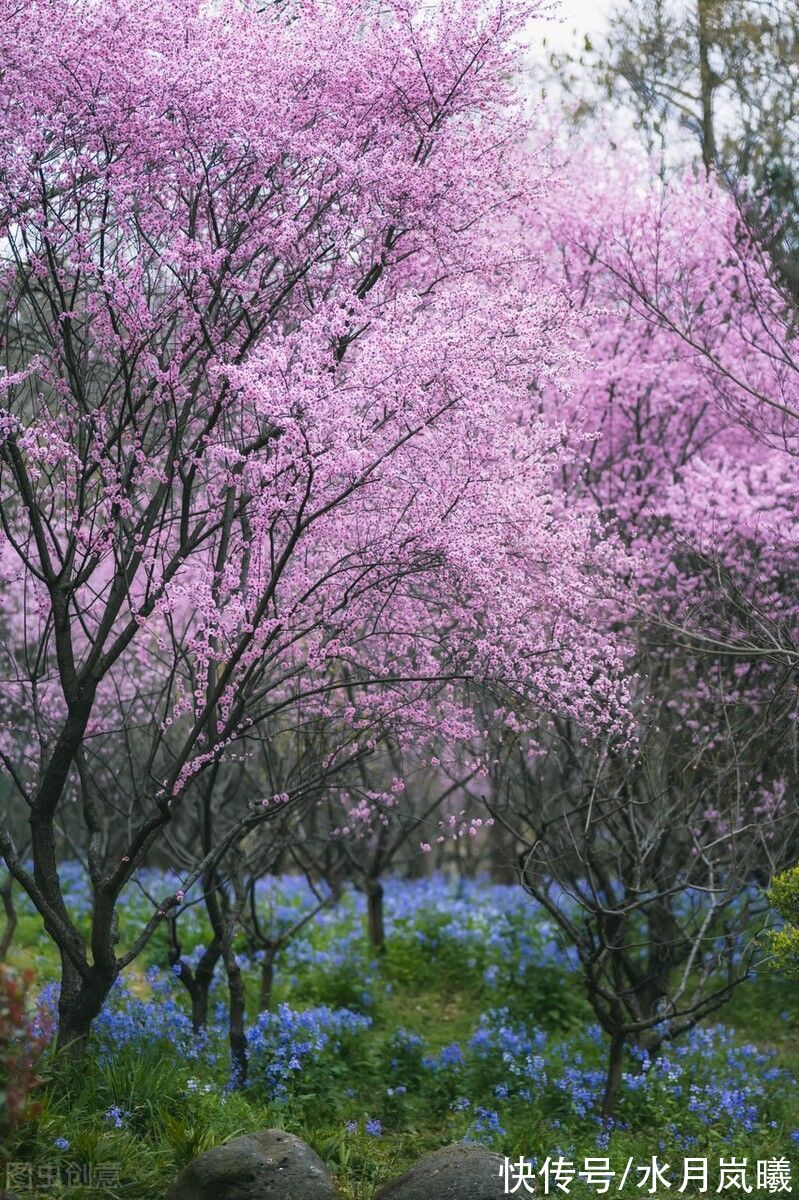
(470, 1024)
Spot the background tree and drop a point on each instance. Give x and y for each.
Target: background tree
(715, 78)
(653, 865)
(651, 860)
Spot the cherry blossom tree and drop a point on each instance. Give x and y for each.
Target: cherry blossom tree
(654, 862)
(695, 392)
(267, 461)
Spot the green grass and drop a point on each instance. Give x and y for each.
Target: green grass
(429, 992)
(766, 1011)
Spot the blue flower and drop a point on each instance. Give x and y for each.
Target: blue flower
(116, 1115)
(451, 1056)
(487, 1126)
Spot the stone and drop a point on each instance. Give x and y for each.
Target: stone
(268, 1165)
(462, 1171)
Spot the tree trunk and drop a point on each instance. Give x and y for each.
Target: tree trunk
(374, 904)
(223, 922)
(613, 1080)
(267, 978)
(707, 83)
(203, 978)
(80, 1001)
(198, 982)
(72, 1040)
(7, 893)
(237, 1018)
(199, 1006)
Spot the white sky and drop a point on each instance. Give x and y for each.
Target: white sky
(580, 16)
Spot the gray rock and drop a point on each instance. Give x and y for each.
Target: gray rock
(463, 1171)
(268, 1165)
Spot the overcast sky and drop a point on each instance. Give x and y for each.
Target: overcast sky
(584, 16)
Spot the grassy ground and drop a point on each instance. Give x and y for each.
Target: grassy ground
(507, 1056)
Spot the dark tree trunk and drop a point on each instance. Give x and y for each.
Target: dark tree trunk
(238, 1014)
(374, 906)
(613, 1080)
(199, 1006)
(223, 924)
(707, 83)
(267, 978)
(198, 982)
(198, 985)
(203, 978)
(73, 1035)
(7, 893)
(80, 1001)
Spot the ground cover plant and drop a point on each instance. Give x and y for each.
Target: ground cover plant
(471, 1024)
